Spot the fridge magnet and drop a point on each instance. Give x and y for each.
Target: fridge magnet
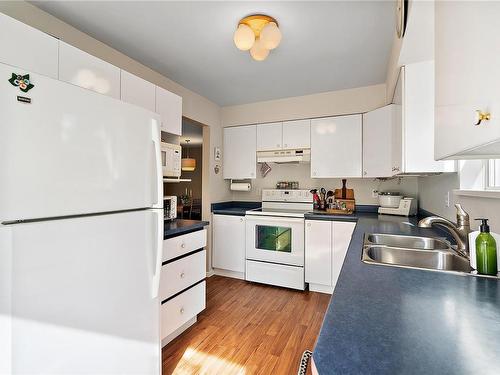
(23, 82)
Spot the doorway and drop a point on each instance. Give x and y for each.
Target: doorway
(189, 189)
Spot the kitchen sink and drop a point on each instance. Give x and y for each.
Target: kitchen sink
(413, 252)
(412, 242)
(441, 260)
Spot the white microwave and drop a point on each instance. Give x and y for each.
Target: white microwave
(171, 159)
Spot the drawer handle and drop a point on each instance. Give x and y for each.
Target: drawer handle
(182, 275)
(482, 116)
(181, 310)
(183, 245)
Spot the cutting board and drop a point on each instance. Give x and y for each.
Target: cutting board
(344, 192)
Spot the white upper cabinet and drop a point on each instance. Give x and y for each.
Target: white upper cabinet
(377, 142)
(240, 152)
(413, 128)
(467, 79)
(169, 107)
(269, 136)
(87, 71)
(297, 134)
(27, 48)
(284, 135)
(138, 91)
(336, 147)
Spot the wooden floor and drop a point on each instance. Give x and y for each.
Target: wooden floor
(247, 328)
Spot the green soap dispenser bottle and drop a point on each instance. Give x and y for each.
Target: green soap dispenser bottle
(486, 250)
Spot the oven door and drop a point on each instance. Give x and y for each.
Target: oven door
(275, 239)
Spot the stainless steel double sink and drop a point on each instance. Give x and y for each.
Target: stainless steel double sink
(413, 252)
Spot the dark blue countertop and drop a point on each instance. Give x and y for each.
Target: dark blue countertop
(236, 208)
(389, 320)
(181, 226)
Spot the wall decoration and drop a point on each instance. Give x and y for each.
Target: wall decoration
(217, 154)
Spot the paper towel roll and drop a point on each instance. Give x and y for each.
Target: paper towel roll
(241, 186)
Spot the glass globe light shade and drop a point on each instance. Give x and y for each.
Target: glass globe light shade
(244, 37)
(270, 36)
(258, 51)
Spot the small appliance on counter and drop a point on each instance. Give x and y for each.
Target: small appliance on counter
(169, 207)
(393, 203)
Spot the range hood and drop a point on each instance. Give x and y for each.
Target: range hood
(284, 156)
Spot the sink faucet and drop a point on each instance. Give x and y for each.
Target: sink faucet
(460, 231)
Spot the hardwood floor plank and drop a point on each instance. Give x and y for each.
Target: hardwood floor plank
(247, 328)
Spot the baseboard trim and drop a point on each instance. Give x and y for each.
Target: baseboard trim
(178, 331)
(210, 273)
(226, 273)
(327, 289)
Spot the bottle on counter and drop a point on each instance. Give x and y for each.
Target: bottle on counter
(486, 251)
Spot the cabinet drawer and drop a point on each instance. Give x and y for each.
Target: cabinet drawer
(181, 274)
(182, 308)
(180, 245)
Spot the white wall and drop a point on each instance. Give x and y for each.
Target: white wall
(301, 172)
(362, 99)
(432, 191)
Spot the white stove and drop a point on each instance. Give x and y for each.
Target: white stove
(275, 238)
(286, 203)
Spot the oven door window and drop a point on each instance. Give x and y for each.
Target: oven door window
(273, 238)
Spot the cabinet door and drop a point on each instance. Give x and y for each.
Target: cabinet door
(229, 242)
(239, 153)
(269, 136)
(138, 91)
(297, 134)
(467, 78)
(27, 48)
(169, 107)
(342, 233)
(87, 71)
(336, 147)
(318, 252)
(377, 142)
(397, 128)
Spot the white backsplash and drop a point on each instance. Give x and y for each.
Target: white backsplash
(292, 172)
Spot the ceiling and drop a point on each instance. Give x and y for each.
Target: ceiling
(326, 45)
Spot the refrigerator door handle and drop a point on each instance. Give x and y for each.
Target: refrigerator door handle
(158, 244)
(158, 177)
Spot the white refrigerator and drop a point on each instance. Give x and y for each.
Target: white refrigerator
(81, 232)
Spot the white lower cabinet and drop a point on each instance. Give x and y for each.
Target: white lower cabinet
(183, 273)
(181, 309)
(318, 250)
(342, 234)
(229, 245)
(182, 283)
(326, 244)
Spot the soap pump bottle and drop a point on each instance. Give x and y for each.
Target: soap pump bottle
(486, 250)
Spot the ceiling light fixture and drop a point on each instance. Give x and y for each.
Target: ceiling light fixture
(259, 34)
(188, 164)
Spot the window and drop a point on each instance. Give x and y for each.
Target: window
(493, 174)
